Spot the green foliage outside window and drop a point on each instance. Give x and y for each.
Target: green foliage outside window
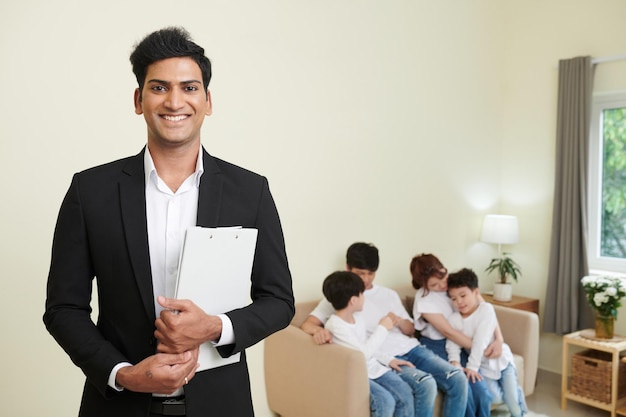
(613, 241)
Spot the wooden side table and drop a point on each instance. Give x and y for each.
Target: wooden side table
(613, 347)
(517, 302)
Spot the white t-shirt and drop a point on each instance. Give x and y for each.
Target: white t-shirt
(435, 302)
(354, 336)
(479, 326)
(379, 301)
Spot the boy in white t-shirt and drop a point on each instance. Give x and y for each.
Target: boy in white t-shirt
(478, 321)
(344, 290)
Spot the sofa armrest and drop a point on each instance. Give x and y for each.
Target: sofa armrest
(520, 330)
(303, 379)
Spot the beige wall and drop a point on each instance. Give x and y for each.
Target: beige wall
(400, 123)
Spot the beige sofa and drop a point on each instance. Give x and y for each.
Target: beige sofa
(306, 380)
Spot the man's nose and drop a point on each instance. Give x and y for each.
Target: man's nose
(174, 99)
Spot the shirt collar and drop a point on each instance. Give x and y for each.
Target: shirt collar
(150, 169)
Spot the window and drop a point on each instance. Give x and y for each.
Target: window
(607, 184)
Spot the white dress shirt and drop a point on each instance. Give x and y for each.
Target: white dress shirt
(169, 214)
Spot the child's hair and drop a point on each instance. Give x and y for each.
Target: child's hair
(423, 267)
(362, 256)
(340, 286)
(463, 278)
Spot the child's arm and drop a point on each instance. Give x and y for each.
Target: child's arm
(473, 376)
(346, 335)
(494, 350)
(453, 349)
(485, 322)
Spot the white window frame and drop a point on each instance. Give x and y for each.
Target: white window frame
(597, 263)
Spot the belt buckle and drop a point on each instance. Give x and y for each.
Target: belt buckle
(172, 407)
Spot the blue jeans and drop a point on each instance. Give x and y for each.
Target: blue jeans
(382, 403)
(450, 379)
(401, 394)
(506, 389)
(424, 389)
(479, 399)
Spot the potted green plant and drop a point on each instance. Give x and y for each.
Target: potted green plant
(506, 267)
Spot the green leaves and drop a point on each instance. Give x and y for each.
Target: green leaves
(613, 237)
(506, 267)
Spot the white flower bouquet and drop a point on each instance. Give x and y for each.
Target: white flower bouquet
(604, 294)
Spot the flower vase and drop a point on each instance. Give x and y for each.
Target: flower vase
(604, 326)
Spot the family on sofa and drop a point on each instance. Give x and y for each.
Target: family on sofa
(421, 368)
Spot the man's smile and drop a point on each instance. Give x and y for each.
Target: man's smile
(176, 118)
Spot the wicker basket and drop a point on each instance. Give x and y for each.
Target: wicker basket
(591, 375)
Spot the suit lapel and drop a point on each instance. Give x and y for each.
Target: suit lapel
(133, 206)
(210, 193)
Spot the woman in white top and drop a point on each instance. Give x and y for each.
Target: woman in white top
(432, 309)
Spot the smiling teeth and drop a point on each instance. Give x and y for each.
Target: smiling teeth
(175, 118)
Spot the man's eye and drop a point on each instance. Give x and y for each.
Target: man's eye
(191, 88)
(158, 88)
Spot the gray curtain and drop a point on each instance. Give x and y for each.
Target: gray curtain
(566, 307)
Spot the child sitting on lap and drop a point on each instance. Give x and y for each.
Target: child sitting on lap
(478, 320)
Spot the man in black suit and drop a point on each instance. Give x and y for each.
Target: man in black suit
(122, 223)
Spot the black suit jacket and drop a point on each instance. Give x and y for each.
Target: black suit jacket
(101, 232)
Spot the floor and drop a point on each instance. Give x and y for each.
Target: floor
(546, 400)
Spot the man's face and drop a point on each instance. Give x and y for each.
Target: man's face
(366, 275)
(173, 102)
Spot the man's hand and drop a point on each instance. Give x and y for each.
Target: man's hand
(161, 373)
(184, 326)
(313, 326)
(322, 336)
(397, 363)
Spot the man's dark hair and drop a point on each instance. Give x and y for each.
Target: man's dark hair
(171, 42)
(463, 278)
(339, 287)
(362, 256)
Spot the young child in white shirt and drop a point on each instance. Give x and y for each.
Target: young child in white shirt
(478, 321)
(344, 290)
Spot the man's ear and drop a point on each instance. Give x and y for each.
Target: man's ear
(209, 107)
(137, 100)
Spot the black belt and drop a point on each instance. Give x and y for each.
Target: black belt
(168, 406)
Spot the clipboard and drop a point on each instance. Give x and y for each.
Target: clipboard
(214, 272)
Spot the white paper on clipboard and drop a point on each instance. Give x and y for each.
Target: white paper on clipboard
(214, 272)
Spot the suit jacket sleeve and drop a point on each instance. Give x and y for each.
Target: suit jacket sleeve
(272, 306)
(70, 280)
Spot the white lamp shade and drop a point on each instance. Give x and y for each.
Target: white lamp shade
(500, 228)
